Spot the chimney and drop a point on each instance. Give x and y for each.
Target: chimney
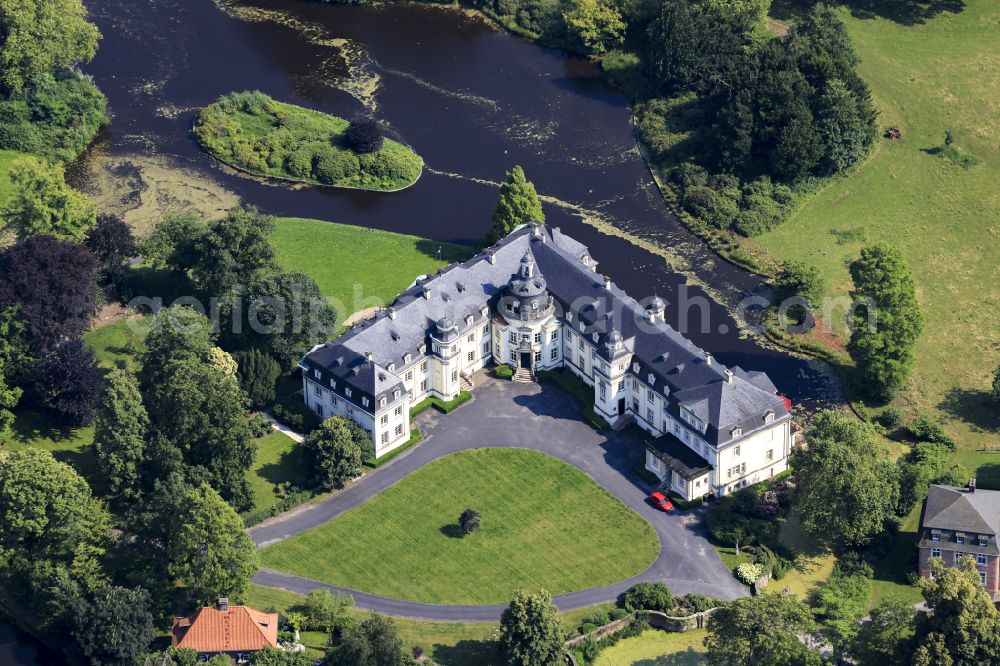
(223, 604)
(708, 358)
(607, 282)
(492, 256)
(427, 292)
(368, 356)
(392, 313)
(536, 228)
(729, 376)
(972, 485)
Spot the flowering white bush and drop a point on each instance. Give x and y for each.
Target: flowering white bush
(747, 573)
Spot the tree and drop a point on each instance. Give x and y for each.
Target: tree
(846, 135)
(16, 358)
(222, 361)
(287, 315)
(596, 24)
(115, 626)
(9, 395)
(373, 642)
(55, 285)
(327, 611)
(173, 241)
(839, 605)
(649, 596)
(761, 630)
(279, 657)
(843, 460)
(175, 333)
(963, 626)
(796, 278)
(337, 449)
(883, 349)
(53, 533)
(364, 135)
(41, 203)
(209, 549)
(120, 426)
(68, 381)
(202, 412)
(518, 204)
(43, 37)
(111, 242)
(234, 251)
(530, 631)
(258, 374)
(469, 521)
(884, 639)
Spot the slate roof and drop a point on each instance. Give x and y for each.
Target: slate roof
(239, 629)
(956, 509)
(677, 365)
(678, 456)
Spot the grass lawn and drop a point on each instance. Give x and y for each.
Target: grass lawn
(926, 77)
(268, 138)
(656, 648)
(278, 460)
(544, 524)
(34, 429)
(117, 344)
(448, 643)
(357, 268)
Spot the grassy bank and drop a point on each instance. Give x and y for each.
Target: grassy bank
(254, 133)
(358, 268)
(927, 77)
(544, 524)
(657, 648)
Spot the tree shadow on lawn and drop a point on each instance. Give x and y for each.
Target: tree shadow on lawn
(973, 406)
(482, 653)
(904, 12)
(288, 467)
(687, 658)
(449, 251)
(452, 531)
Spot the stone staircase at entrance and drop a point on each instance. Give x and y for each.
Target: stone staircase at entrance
(524, 376)
(623, 422)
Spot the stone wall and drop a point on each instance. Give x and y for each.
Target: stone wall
(679, 623)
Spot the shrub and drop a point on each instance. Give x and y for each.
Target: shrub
(331, 165)
(649, 596)
(747, 573)
(590, 650)
(260, 425)
(891, 417)
(600, 618)
(617, 614)
(697, 603)
(364, 135)
(587, 627)
(299, 162)
(469, 521)
(503, 371)
(926, 429)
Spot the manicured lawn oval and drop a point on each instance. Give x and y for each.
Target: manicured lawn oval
(544, 524)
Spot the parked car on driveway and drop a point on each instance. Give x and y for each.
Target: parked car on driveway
(660, 501)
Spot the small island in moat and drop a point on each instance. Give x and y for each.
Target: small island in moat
(254, 133)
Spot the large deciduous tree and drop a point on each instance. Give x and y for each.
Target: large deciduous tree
(884, 639)
(234, 251)
(530, 631)
(176, 333)
(518, 204)
(326, 610)
(55, 285)
(111, 241)
(596, 25)
(120, 425)
(43, 204)
(884, 332)
(114, 626)
(53, 533)
(963, 626)
(843, 460)
(173, 241)
(68, 382)
(287, 315)
(337, 448)
(209, 549)
(258, 373)
(42, 37)
(765, 629)
(839, 604)
(373, 642)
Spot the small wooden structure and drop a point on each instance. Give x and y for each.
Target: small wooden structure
(893, 133)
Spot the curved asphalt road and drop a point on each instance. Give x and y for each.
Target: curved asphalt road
(507, 414)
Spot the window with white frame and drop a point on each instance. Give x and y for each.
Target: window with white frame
(318, 391)
(649, 395)
(982, 578)
(409, 376)
(649, 415)
(472, 337)
(513, 357)
(555, 334)
(604, 391)
(981, 559)
(454, 375)
(384, 420)
(736, 450)
(486, 348)
(769, 455)
(538, 337)
(935, 536)
(315, 373)
(471, 357)
(423, 385)
(959, 538)
(935, 552)
(381, 402)
(385, 438)
(364, 402)
(983, 541)
(554, 354)
(399, 429)
(347, 392)
(399, 411)
(538, 357)
(423, 366)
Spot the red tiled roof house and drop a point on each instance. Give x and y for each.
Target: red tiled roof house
(236, 631)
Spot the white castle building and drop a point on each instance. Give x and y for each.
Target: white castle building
(535, 301)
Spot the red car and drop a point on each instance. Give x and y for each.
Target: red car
(660, 501)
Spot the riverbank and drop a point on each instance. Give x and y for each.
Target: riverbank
(255, 134)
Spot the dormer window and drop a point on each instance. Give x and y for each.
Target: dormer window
(333, 384)
(959, 538)
(422, 349)
(594, 336)
(406, 359)
(395, 394)
(983, 541)
(347, 392)
(651, 378)
(635, 368)
(737, 432)
(381, 402)
(392, 367)
(468, 320)
(569, 317)
(316, 373)
(364, 402)
(581, 326)
(935, 535)
(769, 417)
